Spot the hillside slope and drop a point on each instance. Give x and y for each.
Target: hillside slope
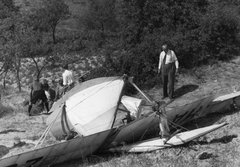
(220, 148)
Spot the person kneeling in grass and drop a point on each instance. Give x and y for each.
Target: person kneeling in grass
(37, 93)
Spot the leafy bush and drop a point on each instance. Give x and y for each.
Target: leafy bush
(198, 31)
(132, 32)
(220, 29)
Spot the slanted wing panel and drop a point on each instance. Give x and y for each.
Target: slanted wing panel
(157, 143)
(132, 132)
(57, 153)
(183, 114)
(92, 110)
(8, 161)
(93, 101)
(226, 97)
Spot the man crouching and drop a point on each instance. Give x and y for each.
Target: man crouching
(164, 131)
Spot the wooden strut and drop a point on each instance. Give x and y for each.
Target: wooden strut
(154, 102)
(144, 95)
(119, 100)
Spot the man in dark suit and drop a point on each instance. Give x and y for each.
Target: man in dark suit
(168, 66)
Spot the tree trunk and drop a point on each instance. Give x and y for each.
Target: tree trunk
(19, 81)
(53, 35)
(4, 80)
(17, 66)
(38, 69)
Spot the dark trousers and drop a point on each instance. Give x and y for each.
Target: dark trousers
(38, 95)
(168, 77)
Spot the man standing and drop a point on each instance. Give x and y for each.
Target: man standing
(37, 93)
(67, 76)
(168, 65)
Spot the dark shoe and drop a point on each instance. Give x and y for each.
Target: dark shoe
(20, 144)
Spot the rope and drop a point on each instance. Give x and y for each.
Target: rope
(176, 125)
(44, 135)
(64, 120)
(65, 116)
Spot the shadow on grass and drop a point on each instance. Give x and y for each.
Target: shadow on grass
(90, 160)
(11, 130)
(185, 89)
(224, 139)
(210, 119)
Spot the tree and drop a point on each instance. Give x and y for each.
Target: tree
(194, 29)
(42, 18)
(47, 15)
(9, 27)
(99, 22)
(220, 30)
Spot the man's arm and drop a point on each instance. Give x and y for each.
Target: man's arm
(160, 63)
(176, 61)
(31, 94)
(64, 79)
(177, 65)
(31, 91)
(56, 94)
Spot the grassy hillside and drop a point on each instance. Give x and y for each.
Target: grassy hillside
(220, 148)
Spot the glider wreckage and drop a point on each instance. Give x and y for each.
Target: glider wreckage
(92, 117)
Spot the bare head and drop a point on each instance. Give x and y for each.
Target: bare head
(60, 82)
(164, 47)
(45, 81)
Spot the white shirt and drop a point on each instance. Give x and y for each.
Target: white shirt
(171, 57)
(67, 77)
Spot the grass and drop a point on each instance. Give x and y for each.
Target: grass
(218, 149)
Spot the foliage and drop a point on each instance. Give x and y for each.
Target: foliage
(48, 15)
(198, 31)
(220, 31)
(128, 33)
(25, 33)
